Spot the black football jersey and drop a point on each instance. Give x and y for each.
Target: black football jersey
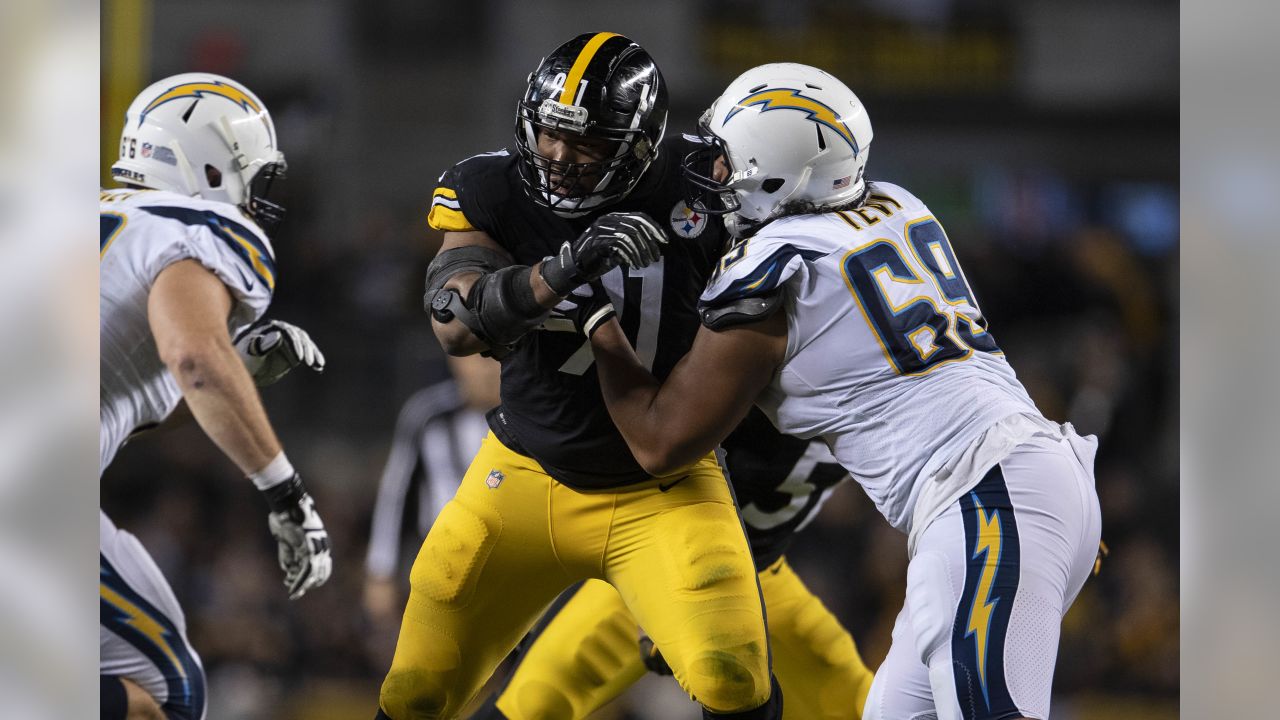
(780, 482)
(552, 409)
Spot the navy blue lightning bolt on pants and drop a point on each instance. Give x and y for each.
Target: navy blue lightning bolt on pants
(988, 583)
(142, 634)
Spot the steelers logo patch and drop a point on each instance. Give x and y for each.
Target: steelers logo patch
(687, 223)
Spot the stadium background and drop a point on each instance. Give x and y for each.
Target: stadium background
(1043, 134)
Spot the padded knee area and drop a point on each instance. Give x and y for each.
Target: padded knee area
(419, 685)
(726, 681)
(414, 695)
(453, 554)
(768, 709)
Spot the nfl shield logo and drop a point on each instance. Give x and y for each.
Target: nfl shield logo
(495, 479)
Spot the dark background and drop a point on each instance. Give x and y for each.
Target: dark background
(1043, 135)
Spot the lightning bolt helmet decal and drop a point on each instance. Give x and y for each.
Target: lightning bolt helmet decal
(200, 90)
(792, 99)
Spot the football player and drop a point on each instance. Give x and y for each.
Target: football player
(440, 427)
(843, 314)
(586, 655)
(186, 266)
(554, 496)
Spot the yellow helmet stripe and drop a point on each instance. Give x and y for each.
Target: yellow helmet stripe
(580, 66)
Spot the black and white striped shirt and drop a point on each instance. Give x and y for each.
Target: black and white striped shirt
(436, 437)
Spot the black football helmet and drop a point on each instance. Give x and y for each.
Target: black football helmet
(601, 86)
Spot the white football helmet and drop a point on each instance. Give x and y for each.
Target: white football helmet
(202, 134)
(791, 135)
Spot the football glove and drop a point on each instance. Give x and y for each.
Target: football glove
(652, 657)
(583, 310)
(631, 239)
(271, 348)
(302, 542)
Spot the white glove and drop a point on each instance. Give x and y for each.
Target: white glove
(271, 348)
(303, 543)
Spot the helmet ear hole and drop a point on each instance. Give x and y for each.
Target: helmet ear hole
(213, 176)
(772, 184)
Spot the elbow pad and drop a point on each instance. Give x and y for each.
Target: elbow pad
(469, 258)
(499, 310)
(741, 312)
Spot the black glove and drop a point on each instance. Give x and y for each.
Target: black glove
(302, 542)
(631, 239)
(587, 307)
(652, 657)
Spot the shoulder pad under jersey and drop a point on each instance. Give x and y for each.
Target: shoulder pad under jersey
(741, 311)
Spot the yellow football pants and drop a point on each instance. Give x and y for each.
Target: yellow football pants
(512, 538)
(588, 655)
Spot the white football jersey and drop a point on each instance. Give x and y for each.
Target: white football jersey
(888, 358)
(143, 232)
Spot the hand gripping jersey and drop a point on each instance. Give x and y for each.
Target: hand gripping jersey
(143, 232)
(780, 483)
(888, 358)
(551, 407)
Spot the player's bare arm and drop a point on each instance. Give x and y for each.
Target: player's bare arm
(188, 310)
(710, 390)
(269, 349)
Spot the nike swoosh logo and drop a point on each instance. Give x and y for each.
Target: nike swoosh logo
(667, 486)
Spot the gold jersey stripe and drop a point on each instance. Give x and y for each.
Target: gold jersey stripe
(448, 219)
(580, 66)
(255, 259)
(445, 192)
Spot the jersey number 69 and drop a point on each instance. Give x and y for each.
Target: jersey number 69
(920, 324)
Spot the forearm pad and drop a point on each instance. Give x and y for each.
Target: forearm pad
(503, 306)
